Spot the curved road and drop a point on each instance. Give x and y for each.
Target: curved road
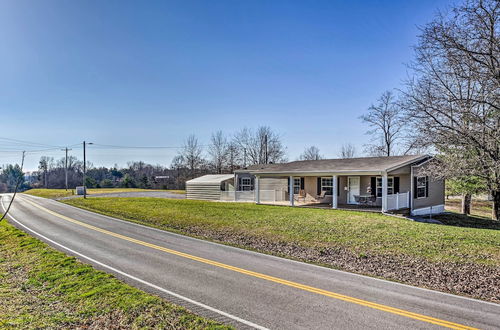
(239, 287)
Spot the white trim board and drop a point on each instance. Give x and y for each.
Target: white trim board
(434, 209)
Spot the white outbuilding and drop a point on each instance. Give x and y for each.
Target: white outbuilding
(209, 186)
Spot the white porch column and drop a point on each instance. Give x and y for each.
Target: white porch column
(384, 192)
(290, 189)
(257, 190)
(334, 192)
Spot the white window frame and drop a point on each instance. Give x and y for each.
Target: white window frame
(246, 186)
(421, 186)
(378, 185)
(327, 186)
(296, 186)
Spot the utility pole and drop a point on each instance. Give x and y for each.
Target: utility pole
(265, 150)
(66, 167)
(84, 169)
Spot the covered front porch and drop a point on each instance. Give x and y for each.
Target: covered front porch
(375, 192)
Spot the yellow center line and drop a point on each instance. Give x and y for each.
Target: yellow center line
(300, 286)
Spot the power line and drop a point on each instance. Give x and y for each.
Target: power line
(28, 143)
(107, 146)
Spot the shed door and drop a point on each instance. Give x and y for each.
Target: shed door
(353, 186)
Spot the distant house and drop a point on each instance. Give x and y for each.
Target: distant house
(376, 183)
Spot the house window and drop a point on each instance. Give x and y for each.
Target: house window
(246, 184)
(390, 186)
(421, 186)
(296, 185)
(327, 185)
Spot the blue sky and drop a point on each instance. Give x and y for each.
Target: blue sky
(153, 72)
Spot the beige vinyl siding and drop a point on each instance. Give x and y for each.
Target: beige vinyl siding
(311, 187)
(435, 196)
(276, 183)
(436, 191)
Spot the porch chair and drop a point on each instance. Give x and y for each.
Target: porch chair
(301, 195)
(321, 196)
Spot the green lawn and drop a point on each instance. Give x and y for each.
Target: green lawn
(43, 288)
(49, 193)
(58, 193)
(360, 232)
(479, 208)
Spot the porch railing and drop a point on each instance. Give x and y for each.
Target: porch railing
(249, 196)
(398, 201)
(237, 196)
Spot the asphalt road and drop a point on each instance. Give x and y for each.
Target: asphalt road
(240, 287)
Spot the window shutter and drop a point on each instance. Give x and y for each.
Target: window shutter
(302, 183)
(396, 184)
(338, 186)
(319, 186)
(252, 182)
(415, 187)
(373, 185)
(426, 186)
(288, 185)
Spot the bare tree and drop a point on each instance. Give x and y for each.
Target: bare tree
(386, 122)
(348, 151)
(262, 146)
(233, 156)
(311, 153)
(44, 165)
(191, 154)
(218, 150)
(454, 97)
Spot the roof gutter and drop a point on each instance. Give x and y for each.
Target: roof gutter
(407, 163)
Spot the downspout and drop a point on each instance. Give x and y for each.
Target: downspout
(411, 189)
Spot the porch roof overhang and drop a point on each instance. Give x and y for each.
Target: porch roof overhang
(317, 174)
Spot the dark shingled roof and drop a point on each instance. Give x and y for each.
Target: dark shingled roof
(371, 164)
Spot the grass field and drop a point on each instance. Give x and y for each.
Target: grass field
(58, 193)
(479, 208)
(43, 288)
(49, 193)
(362, 233)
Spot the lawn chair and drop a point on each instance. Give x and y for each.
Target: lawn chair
(321, 196)
(301, 195)
(372, 200)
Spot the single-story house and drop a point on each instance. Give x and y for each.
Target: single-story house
(376, 183)
(209, 187)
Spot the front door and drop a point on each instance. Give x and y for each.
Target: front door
(353, 186)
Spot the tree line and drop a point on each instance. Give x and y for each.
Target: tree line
(223, 154)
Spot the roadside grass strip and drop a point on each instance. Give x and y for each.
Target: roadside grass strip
(41, 288)
(300, 286)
